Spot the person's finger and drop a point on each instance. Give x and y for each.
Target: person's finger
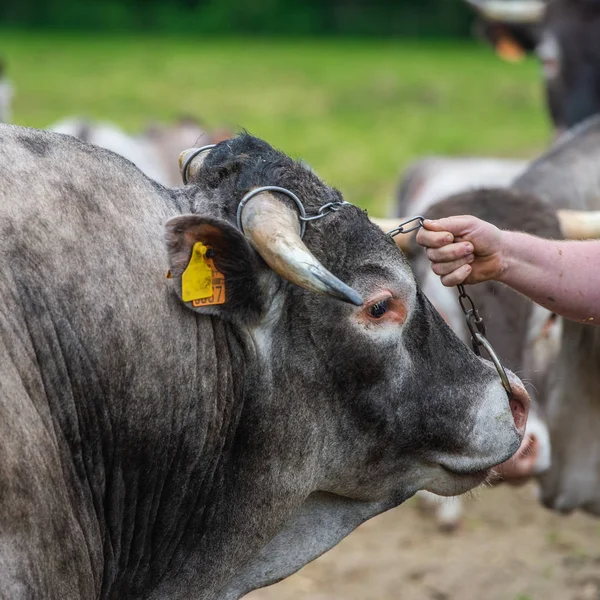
(457, 226)
(456, 277)
(445, 268)
(450, 252)
(433, 239)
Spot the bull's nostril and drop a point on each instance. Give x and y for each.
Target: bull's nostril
(519, 411)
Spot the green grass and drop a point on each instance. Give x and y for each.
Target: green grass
(357, 111)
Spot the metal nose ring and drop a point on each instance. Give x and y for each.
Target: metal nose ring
(482, 340)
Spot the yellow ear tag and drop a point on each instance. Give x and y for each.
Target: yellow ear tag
(201, 283)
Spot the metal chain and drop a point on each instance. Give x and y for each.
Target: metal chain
(304, 218)
(325, 210)
(400, 229)
(473, 318)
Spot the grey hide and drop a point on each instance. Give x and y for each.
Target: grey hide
(568, 176)
(152, 449)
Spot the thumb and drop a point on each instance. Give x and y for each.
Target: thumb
(457, 226)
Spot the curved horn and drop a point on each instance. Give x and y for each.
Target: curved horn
(273, 229)
(579, 224)
(191, 160)
(402, 240)
(516, 11)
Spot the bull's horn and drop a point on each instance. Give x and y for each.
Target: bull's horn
(515, 11)
(191, 160)
(273, 229)
(402, 239)
(579, 224)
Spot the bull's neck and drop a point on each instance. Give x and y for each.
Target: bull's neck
(174, 451)
(146, 419)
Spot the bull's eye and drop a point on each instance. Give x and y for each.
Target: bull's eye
(376, 311)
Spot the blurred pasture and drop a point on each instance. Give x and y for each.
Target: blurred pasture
(357, 110)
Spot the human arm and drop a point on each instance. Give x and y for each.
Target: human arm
(564, 277)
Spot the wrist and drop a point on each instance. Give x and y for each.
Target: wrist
(506, 260)
(507, 257)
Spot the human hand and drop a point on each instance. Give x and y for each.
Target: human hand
(463, 249)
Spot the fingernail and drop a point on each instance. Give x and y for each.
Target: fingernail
(448, 238)
(471, 258)
(468, 248)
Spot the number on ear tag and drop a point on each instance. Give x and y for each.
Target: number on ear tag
(201, 283)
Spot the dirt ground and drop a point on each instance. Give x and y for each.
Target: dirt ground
(508, 548)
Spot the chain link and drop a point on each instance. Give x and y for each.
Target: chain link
(324, 210)
(473, 318)
(401, 228)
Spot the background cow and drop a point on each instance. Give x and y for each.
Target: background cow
(154, 151)
(434, 178)
(566, 37)
(568, 176)
(562, 360)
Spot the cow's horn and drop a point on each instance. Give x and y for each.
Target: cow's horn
(402, 240)
(191, 160)
(273, 229)
(579, 224)
(514, 11)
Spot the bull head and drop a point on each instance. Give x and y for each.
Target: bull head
(273, 230)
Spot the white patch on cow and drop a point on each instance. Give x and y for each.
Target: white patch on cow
(542, 344)
(493, 428)
(448, 511)
(263, 334)
(548, 51)
(538, 429)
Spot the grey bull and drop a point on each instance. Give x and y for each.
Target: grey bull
(160, 442)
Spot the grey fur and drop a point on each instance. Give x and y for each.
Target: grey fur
(153, 451)
(567, 176)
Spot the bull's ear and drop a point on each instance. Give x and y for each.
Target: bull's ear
(213, 267)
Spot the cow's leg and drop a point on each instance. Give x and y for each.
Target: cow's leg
(43, 550)
(448, 510)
